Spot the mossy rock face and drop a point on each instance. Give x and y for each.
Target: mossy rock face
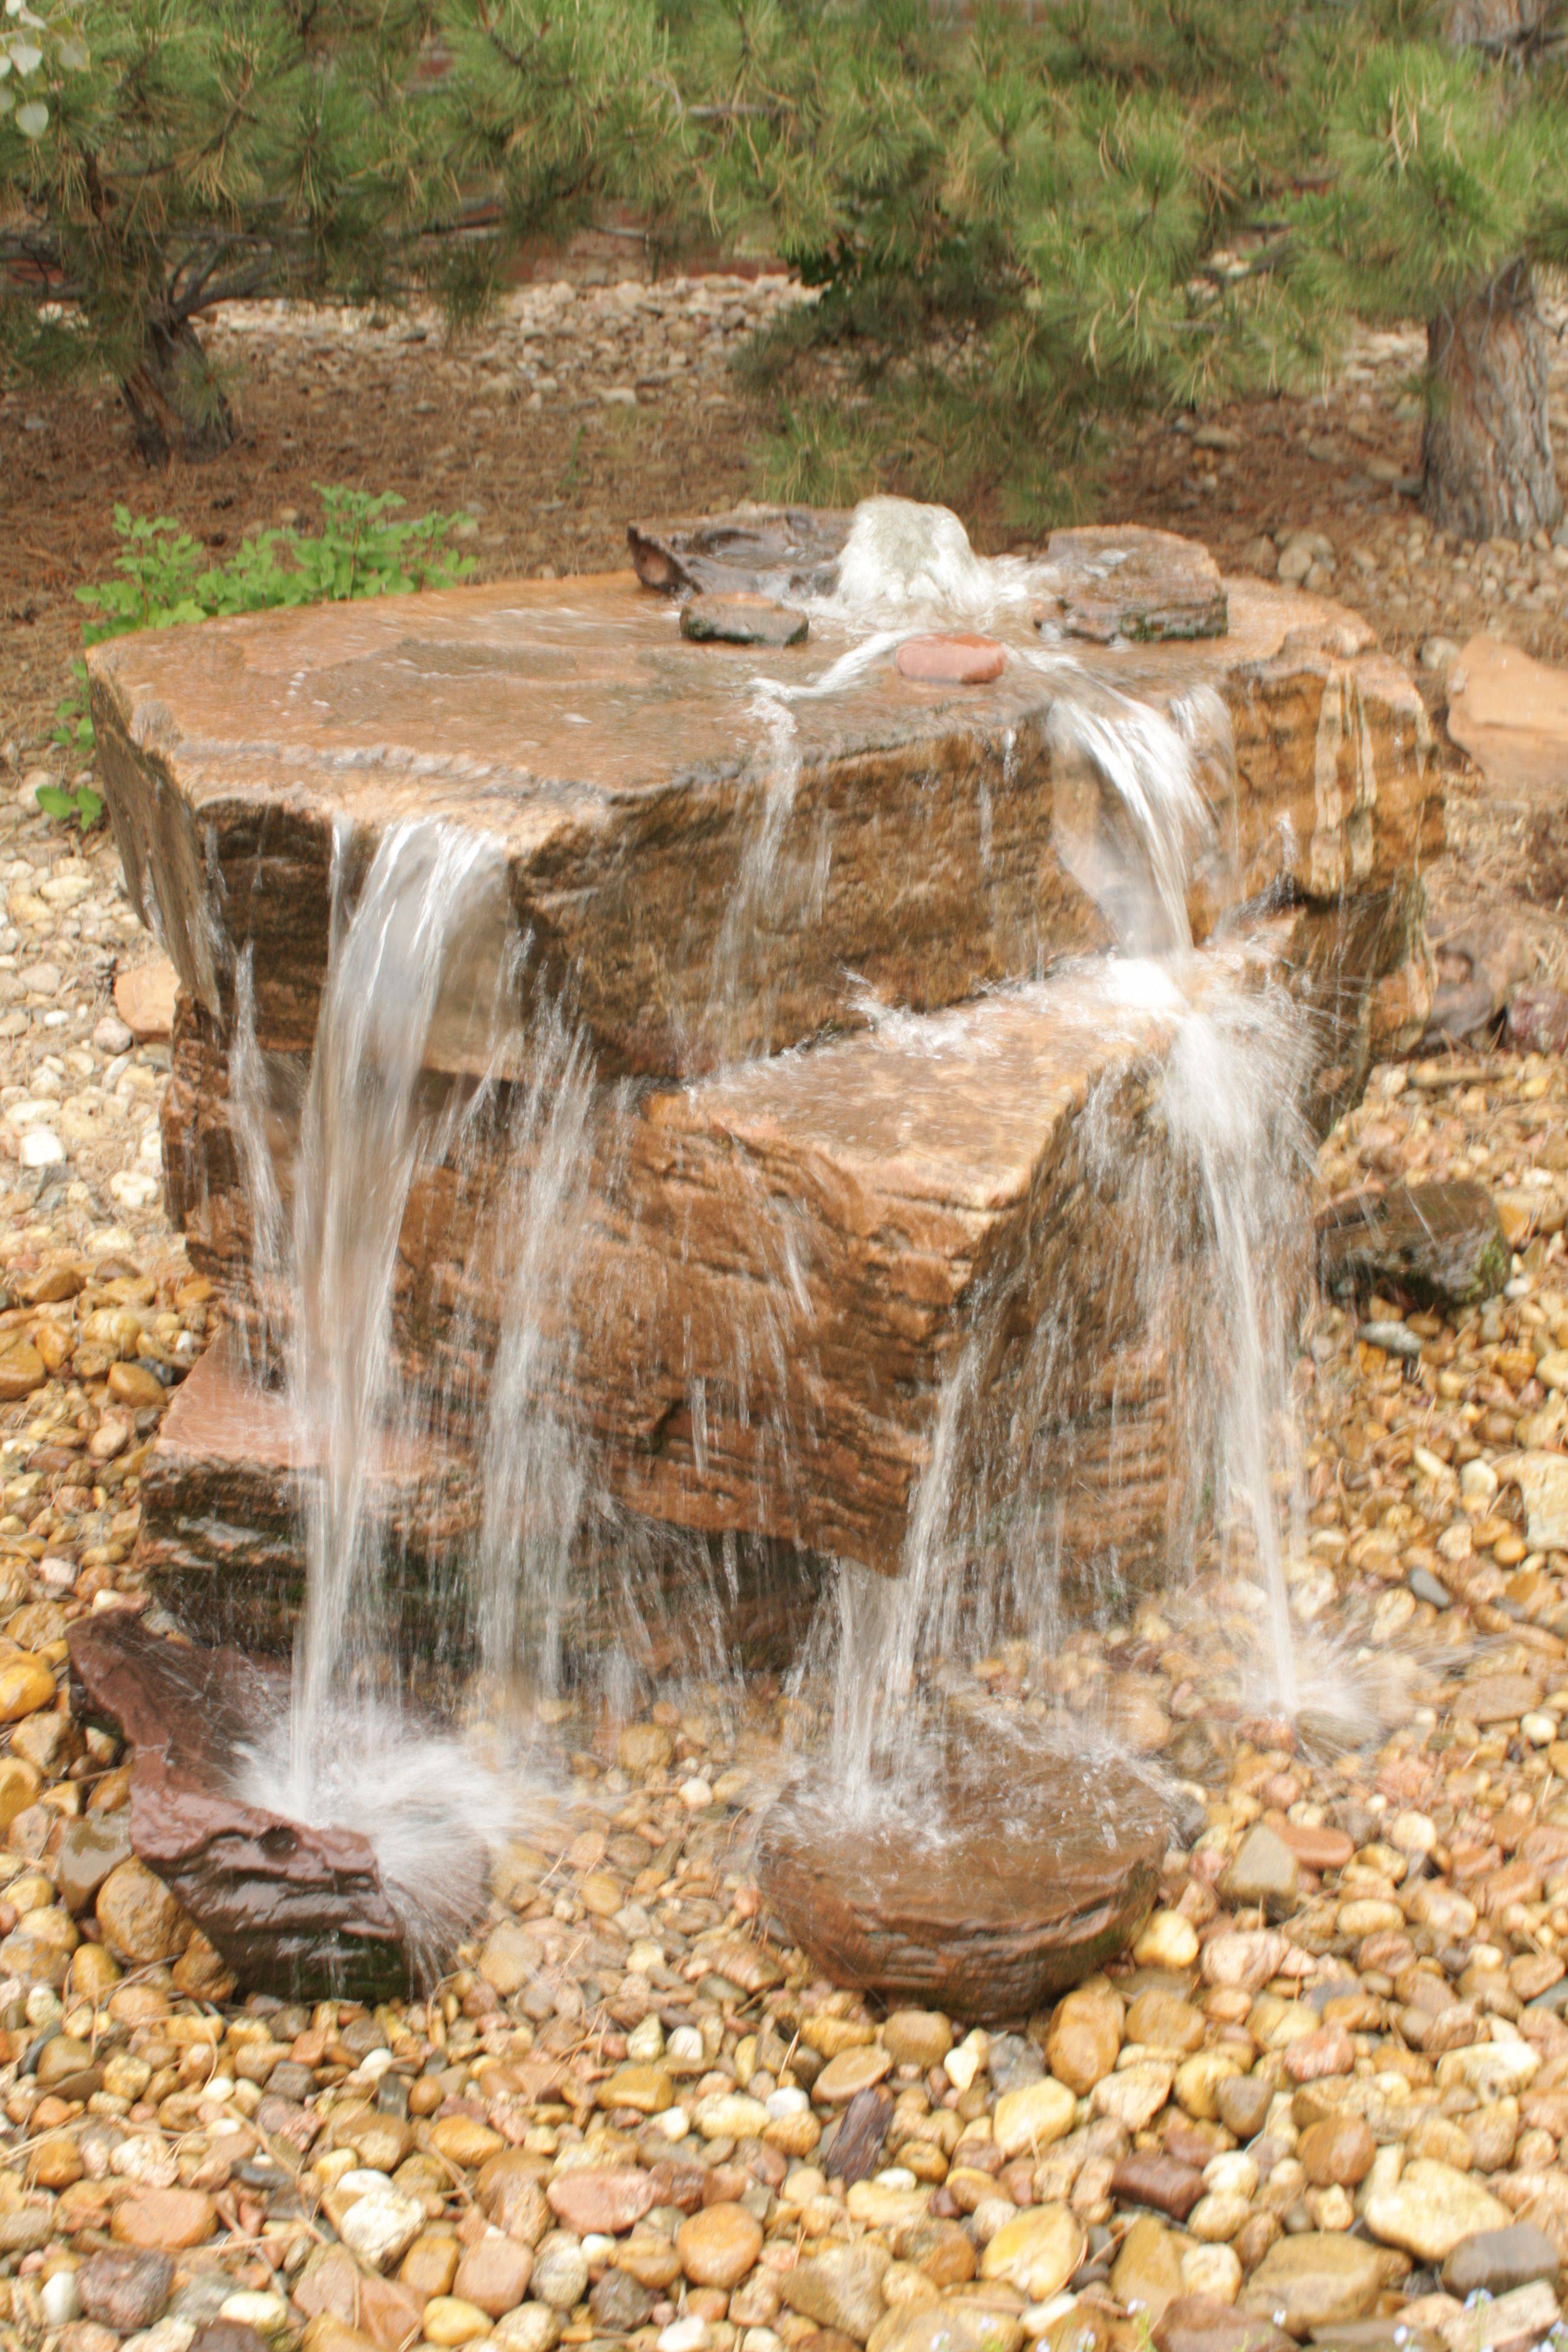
(1443, 1244)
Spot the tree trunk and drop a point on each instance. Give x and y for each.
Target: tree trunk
(1487, 454)
(175, 401)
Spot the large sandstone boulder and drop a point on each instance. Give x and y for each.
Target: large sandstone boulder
(800, 1217)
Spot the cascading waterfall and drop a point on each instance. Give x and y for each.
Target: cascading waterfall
(1139, 793)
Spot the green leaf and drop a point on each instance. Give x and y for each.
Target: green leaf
(54, 802)
(89, 806)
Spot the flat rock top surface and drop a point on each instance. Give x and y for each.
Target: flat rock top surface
(956, 1105)
(506, 700)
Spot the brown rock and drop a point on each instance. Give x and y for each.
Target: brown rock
(1147, 2273)
(26, 1685)
(144, 999)
(1510, 713)
(954, 660)
(1165, 2021)
(609, 2197)
(1440, 1242)
(1146, 2177)
(1502, 1698)
(718, 2246)
(124, 2290)
(1316, 2280)
(1194, 2323)
(141, 1919)
(1337, 2152)
(167, 2218)
(743, 619)
(494, 2272)
(759, 550)
(967, 1924)
(1083, 2038)
(1158, 586)
(21, 1368)
(223, 1862)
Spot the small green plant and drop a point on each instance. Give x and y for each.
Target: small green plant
(71, 804)
(166, 579)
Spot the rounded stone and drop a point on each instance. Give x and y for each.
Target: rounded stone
(956, 657)
(718, 2246)
(917, 2037)
(1038, 2252)
(140, 1919)
(1083, 2039)
(1027, 2121)
(494, 2273)
(531, 2328)
(1147, 2273)
(850, 2073)
(975, 1923)
(601, 2199)
(1337, 2152)
(464, 2140)
(165, 2220)
(560, 2270)
(449, 2320)
(26, 1685)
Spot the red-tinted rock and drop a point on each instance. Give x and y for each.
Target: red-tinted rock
(1194, 2323)
(952, 659)
(1537, 1021)
(291, 1907)
(973, 1924)
(1146, 2177)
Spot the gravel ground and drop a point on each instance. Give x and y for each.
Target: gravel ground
(1333, 2069)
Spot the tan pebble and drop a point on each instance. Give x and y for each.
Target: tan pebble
(1027, 2121)
(19, 1785)
(1167, 1941)
(852, 2071)
(449, 2320)
(140, 1919)
(648, 2089)
(1147, 2272)
(26, 1685)
(720, 2245)
(917, 2037)
(1083, 2038)
(134, 1385)
(430, 2264)
(1038, 2252)
(463, 2140)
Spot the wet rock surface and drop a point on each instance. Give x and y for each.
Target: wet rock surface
(288, 1907)
(1046, 1870)
(1140, 584)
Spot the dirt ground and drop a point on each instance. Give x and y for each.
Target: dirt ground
(575, 409)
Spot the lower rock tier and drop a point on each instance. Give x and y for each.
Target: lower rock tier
(779, 1290)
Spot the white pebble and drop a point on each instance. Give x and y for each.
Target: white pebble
(60, 2299)
(790, 2102)
(675, 2123)
(41, 1148)
(696, 1795)
(683, 2335)
(1538, 1729)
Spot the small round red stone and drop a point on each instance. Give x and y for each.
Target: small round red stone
(950, 660)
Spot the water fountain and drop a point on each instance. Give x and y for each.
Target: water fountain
(692, 1126)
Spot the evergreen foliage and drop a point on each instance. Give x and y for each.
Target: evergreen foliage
(1025, 216)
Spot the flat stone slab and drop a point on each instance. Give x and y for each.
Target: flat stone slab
(1510, 714)
(1115, 581)
(756, 551)
(1033, 1871)
(921, 834)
